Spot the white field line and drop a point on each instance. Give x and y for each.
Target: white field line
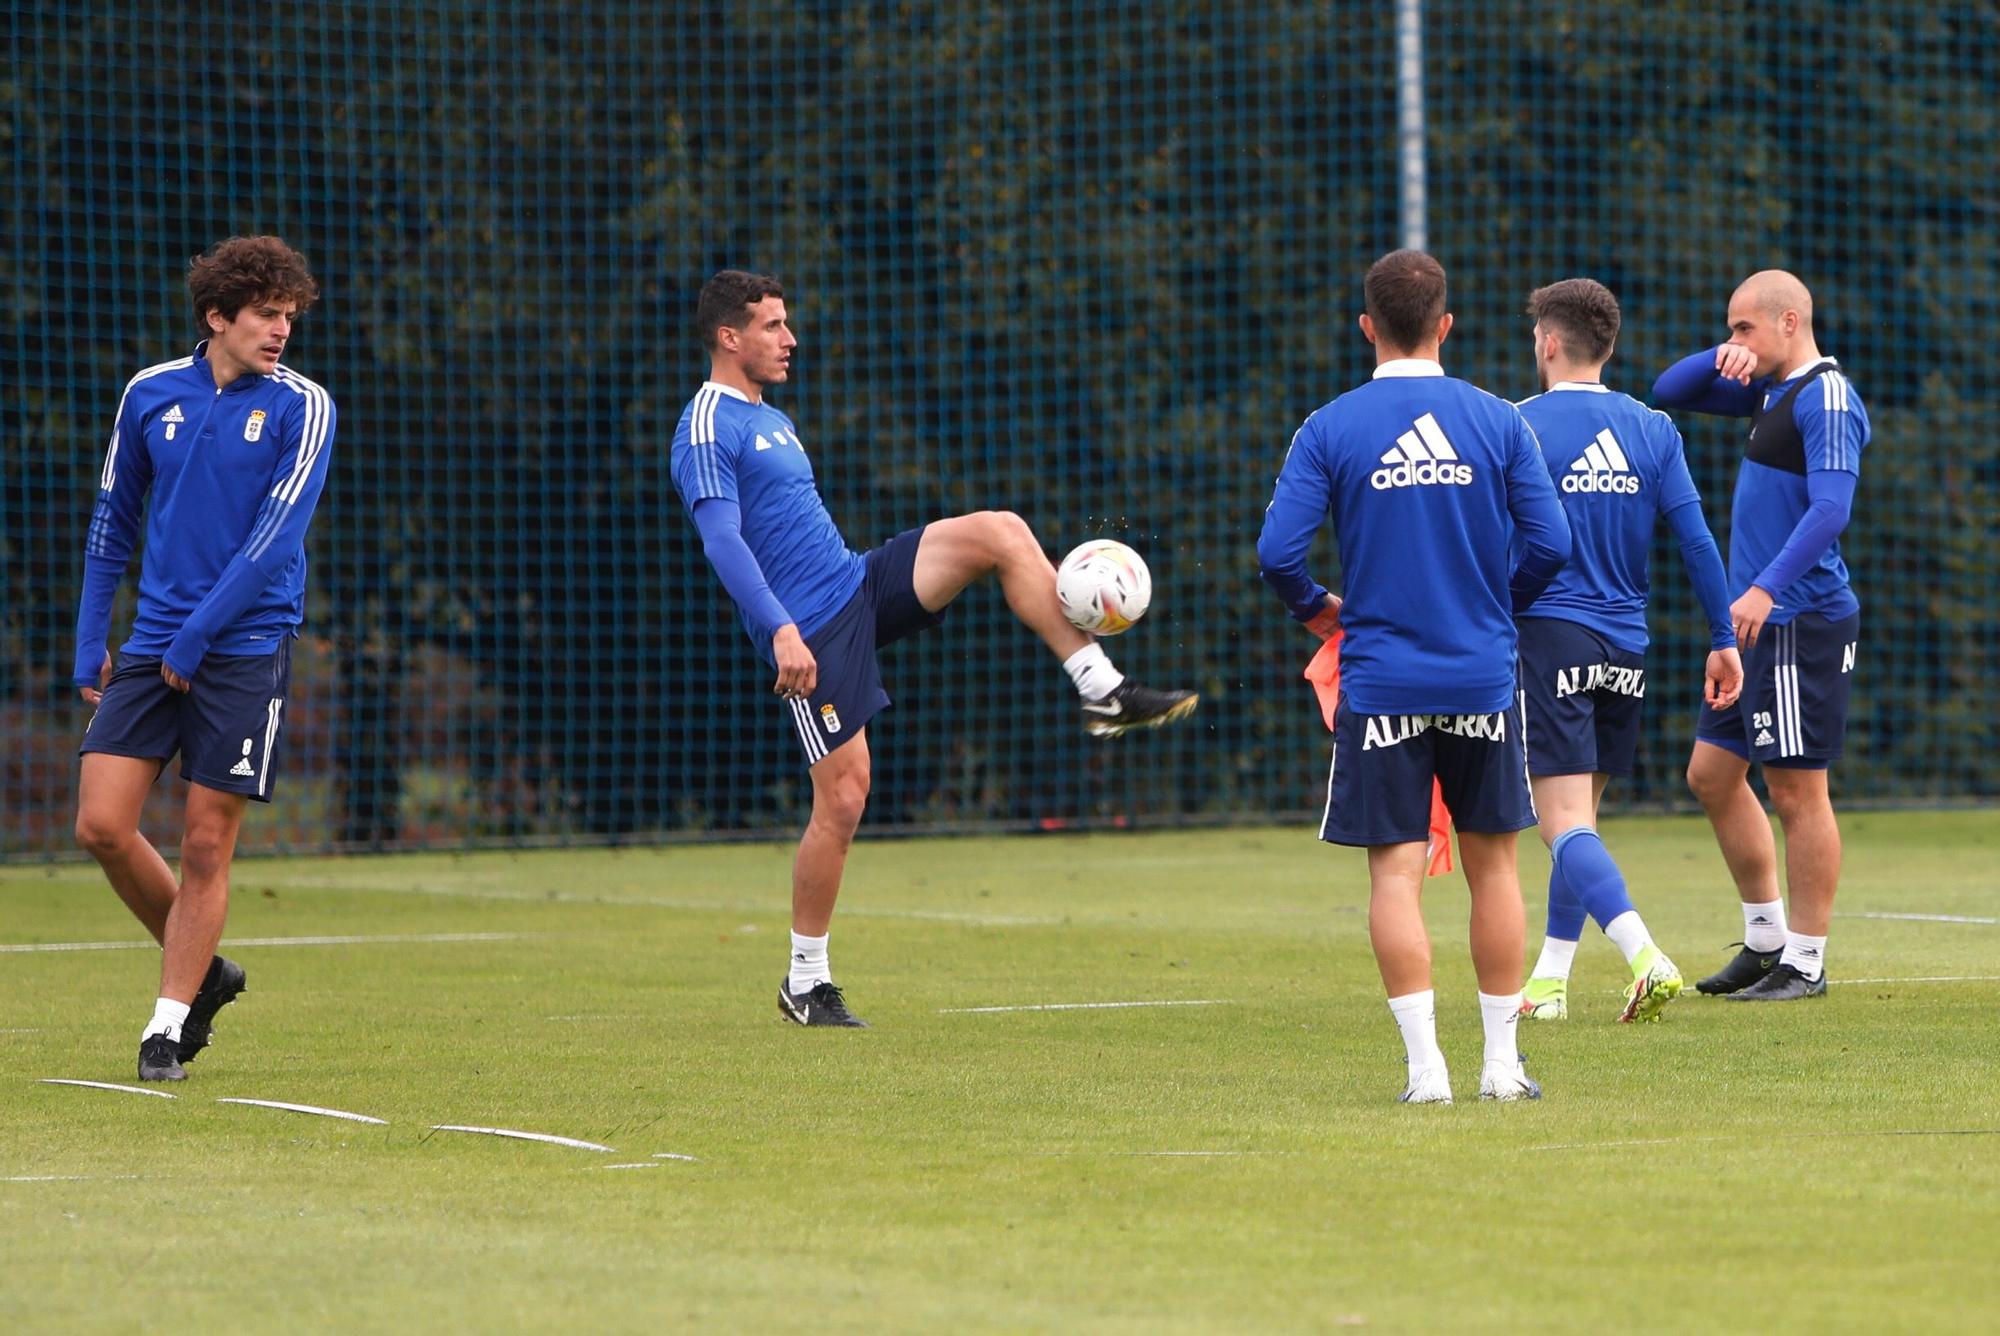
(1921, 918)
(1934, 978)
(670, 1155)
(1746, 1136)
(307, 1108)
(1084, 1006)
(388, 938)
(523, 1136)
(28, 1029)
(592, 1017)
(643, 901)
(67, 1178)
(106, 1085)
(641, 1164)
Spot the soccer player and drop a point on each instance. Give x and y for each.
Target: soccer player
(1425, 478)
(817, 612)
(1618, 466)
(233, 449)
(1796, 618)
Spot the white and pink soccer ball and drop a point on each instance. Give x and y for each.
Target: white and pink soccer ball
(1104, 586)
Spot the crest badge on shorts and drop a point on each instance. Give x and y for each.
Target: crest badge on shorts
(829, 717)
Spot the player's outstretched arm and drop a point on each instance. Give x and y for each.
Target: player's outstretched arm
(276, 537)
(1714, 380)
(721, 524)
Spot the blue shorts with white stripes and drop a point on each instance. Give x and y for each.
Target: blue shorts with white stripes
(883, 610)
(1793, 710)
(1379, 788)
(226, 727)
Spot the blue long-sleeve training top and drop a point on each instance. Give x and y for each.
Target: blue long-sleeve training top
(1618, 466)
(227, 481)
(1795, 489)
(1427, 480)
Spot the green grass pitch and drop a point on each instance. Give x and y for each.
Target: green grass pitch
(1237, 1166)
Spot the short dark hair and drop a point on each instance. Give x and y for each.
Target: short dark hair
(1405, 291)
(231, 274)
(1582, 313)
(725, 299)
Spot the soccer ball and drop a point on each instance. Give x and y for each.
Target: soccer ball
(1104, 587)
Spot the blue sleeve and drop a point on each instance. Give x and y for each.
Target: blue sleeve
(276, 538)
(1825, 416)
(1541, 529)
(1693, 384)
(1299, 504)
(114, 532)
(721, 525)
(1830, 493)
(1704, 568)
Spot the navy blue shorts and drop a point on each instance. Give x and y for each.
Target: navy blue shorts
(883, 610)
(225, 727)
(1793, 710)
(1379, 788)
(1584, 696)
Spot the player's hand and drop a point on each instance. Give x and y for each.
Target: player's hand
(798, 671)
(1748, 615)
(1327, 621)
(174, 679)
(1735, 362)
(1724, 678)
(92, 695)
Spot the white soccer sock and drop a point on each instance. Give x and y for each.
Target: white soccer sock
(1805, 954)
(168, 1016)
(1416, 1017)
(1628, 933)
(1764, 925)
(809, 965)
(1555, 959)
(1499, 1015)
(1090, 668)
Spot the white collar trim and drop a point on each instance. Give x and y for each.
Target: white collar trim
(1591, 386)
(729, 390)
(1407, 366)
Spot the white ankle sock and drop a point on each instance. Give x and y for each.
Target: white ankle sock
(1764, 925)
(1805, 954)
(1416, 1017)
(1555, 959)
(1090, 668)
(809, 964)
(1499, 1015)
(1628, 933)
(168, 1016)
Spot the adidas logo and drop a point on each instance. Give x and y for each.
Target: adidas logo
(173, 415)
(1764, 738)
(1422, 456)
(1602, 468)
(242, 767)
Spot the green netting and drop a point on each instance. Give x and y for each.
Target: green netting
(1091, 262)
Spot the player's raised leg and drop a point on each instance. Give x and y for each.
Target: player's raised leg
(954, 552)
(1812, 873)
(1499, 929)
(111, 795)
(840, 781)
(1720, 780)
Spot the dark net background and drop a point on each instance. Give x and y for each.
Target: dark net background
(1090, 262)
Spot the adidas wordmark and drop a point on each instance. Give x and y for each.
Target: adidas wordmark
(1602, 468)
(1421, 456)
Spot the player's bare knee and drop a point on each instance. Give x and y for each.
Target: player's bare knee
(96, 836)
(1795, 794)
(205, 851)
(840, 799)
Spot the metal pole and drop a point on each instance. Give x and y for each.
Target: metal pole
(1412, 197)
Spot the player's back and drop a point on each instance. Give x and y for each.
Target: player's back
(1618, 465)
(726, 447)
(1419, 469)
